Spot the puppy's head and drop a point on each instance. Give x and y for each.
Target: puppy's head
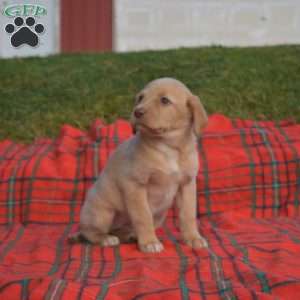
(166, 105)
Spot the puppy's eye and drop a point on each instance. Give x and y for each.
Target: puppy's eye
(140, 98)
(165, 101)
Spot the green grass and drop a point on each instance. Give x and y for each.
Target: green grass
(38, 95)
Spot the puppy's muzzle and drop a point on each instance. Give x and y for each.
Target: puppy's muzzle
(139, 112)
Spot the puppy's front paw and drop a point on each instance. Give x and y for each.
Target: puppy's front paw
(196, 242)
(109, 241)
(152, 247)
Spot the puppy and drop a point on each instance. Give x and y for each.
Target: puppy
(146, 173)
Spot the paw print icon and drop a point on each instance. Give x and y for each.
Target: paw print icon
(24, 32)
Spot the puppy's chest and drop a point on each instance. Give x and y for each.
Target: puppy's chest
(163, 186)
(170, 173)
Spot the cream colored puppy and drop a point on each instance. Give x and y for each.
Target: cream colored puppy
(147, 172)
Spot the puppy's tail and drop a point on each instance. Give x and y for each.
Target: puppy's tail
(76, 237)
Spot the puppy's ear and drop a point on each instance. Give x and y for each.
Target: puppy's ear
(137, 98)
(199, 115)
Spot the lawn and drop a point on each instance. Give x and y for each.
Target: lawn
(38, 95)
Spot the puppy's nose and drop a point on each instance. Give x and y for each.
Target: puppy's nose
(139, 112)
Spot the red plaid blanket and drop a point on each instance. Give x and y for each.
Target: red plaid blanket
(248, 204)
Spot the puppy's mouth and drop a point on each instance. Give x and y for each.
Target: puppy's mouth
(154, 131)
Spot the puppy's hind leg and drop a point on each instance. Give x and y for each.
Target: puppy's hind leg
(97, 237)
(75, 237)
(98, 231)
(126, 235)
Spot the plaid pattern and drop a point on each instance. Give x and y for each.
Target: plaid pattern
(248, 201)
